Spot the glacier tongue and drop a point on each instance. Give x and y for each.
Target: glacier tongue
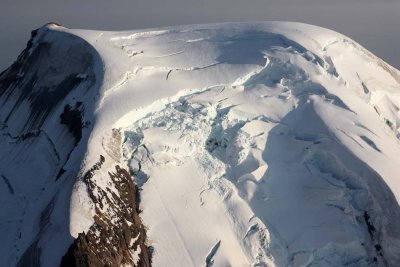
(252, 144)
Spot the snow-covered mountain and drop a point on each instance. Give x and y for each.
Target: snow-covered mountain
(252, 144)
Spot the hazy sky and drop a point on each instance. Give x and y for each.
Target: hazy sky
(373, 23)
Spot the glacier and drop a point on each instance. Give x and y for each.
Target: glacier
(233, 144)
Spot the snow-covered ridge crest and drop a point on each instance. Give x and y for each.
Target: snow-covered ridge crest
(45, 126)
(266, 143)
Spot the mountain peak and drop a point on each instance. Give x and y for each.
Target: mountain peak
(262, 143)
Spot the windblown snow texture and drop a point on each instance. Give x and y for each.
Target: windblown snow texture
(253, 144)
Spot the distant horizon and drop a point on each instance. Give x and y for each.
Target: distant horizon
(373, 25)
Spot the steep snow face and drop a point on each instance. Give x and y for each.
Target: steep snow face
(262, 144)
(44, 127)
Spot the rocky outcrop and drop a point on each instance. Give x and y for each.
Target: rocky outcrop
(117, 238)
(72, 118)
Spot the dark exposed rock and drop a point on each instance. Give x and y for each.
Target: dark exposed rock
(68, 260)
(72, 118)
(117, 232)
(370, 226)
(214, 143)
(31, 257)
(60, 173)
(371, 231)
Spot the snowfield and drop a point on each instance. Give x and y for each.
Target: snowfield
(252, 144)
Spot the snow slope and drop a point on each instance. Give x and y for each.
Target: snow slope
(253, 144)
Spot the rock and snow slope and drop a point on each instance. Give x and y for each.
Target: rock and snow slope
(256, 144)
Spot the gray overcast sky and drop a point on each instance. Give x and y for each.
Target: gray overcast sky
(373, 23)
